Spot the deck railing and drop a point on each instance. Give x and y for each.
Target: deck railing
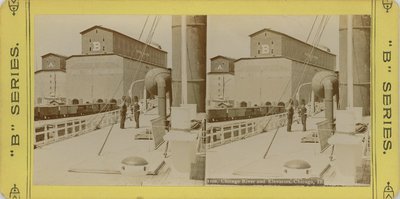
(48, 132)
(226, 132)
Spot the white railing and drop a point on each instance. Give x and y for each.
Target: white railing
(47, 133)
(226, 132)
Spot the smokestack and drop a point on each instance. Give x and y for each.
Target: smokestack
(359, 58)
(196, 33)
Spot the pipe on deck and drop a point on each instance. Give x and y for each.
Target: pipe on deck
(161, 96)
(130, 92)
(328, 89)
(325, 85)
(158, 82)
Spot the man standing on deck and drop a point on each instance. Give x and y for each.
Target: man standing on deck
(303, 114)
(124, 109)
(290, 112)
(136, 112)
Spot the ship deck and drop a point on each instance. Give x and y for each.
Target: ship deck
(244, 159)
(76, 161)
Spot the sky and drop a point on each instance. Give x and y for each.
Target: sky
(226, 35)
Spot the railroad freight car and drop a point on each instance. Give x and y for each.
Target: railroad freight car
(227, 114)
(72, 110)
(47, 112)
(219, 115)
(54, 112)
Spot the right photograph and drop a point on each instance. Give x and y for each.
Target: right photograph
(288, 100)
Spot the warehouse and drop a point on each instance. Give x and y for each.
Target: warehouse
(221, 76)
(110, 62)
(259, 81)
(50, 80)
(278, 65)
(278, 68)
(101, 40)
(104, 72)
(103, 77)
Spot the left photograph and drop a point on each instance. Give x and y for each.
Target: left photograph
(119, 100)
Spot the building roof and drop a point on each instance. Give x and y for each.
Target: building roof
(124, 56)
(57, 55)
(224, 57)
(283, 34)
(260, 31)
(50, 70)
(221, 73)
(248, 58)
(116, 32)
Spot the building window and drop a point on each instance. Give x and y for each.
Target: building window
(281, 104)
(96, 30)
(272, 42)
(104, 48)
(75, 101)
(103, 39)
(90, 48)
(272, 51)
(258, 51)
(258, 43)
(90, 40)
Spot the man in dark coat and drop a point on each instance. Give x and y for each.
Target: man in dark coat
(303, 114)
(136, 113)
(290, 112)
(124, 109)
